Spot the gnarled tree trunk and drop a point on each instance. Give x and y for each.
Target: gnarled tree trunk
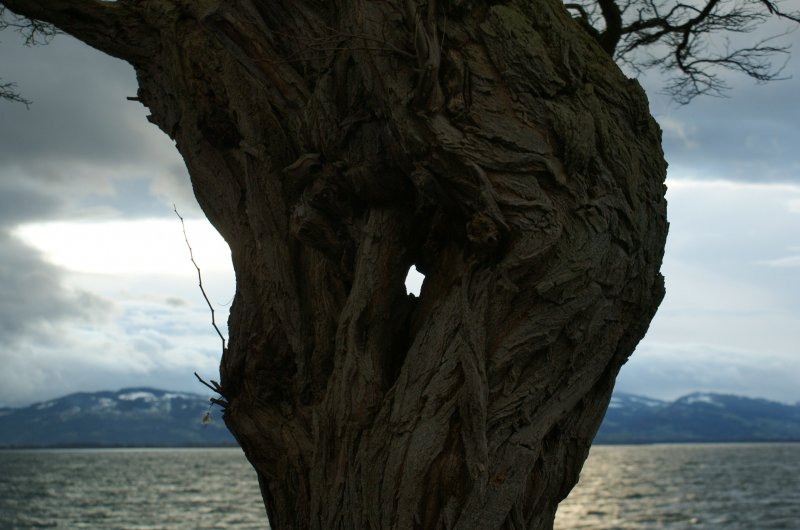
(335, 144)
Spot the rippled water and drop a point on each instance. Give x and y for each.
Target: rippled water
(730, 487)
(129, 489)
(737, 487)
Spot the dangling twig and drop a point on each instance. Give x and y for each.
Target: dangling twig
(199, 280)
(216, 388)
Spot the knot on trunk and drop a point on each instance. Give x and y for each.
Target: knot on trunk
(483, 232)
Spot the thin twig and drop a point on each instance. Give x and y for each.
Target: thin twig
(8, 92)
(215, 389)
(199, 279)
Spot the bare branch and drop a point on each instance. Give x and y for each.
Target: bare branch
(115, 28)
(214, 388)
(200, 279)
(773, 8)
(682, 39)
(612, 15)
(8, 92)
(35, 32)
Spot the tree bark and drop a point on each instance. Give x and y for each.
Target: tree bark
(335, 144)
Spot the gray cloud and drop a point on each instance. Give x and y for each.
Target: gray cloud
(81, 140)
(729, 322)
(34, 374)
(82, 151)
(20, 202)
(751, 135)
(143, 341)
(79, 109)
(671, 370)
(173, 301)
(32, 297)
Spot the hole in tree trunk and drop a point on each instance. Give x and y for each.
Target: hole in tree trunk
(414, 280)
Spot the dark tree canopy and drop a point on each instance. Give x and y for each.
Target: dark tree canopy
(8, 92)
(497, 147)
(690, 41)
(33, 32)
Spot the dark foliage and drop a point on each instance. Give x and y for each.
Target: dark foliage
(34, 32)
(691, 42)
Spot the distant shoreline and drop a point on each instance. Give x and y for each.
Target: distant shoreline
(118, 446)
(152, 418)
(234, 446)
(697, 442)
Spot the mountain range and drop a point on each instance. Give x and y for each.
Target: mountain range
(150, 417)
(698, 417)
(138, 417)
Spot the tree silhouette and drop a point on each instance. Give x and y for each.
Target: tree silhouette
(34, 32)
(495, 146)
(690, 41)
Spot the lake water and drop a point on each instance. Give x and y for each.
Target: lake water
(111, 489)
(708, 486)
(747, 487)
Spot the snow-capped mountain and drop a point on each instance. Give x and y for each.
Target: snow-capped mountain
(698, 417)
(129, 417)
(149, 417)
(631, 402)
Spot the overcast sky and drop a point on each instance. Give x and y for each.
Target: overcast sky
(97, 293)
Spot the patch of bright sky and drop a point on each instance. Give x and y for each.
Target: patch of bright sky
(730, 321)
(138, 247)
(146, 246)
(414, 280)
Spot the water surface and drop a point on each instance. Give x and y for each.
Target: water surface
(129, 489)
(704, 486)
(726, 487)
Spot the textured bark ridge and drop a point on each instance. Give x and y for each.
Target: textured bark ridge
(335, 144)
